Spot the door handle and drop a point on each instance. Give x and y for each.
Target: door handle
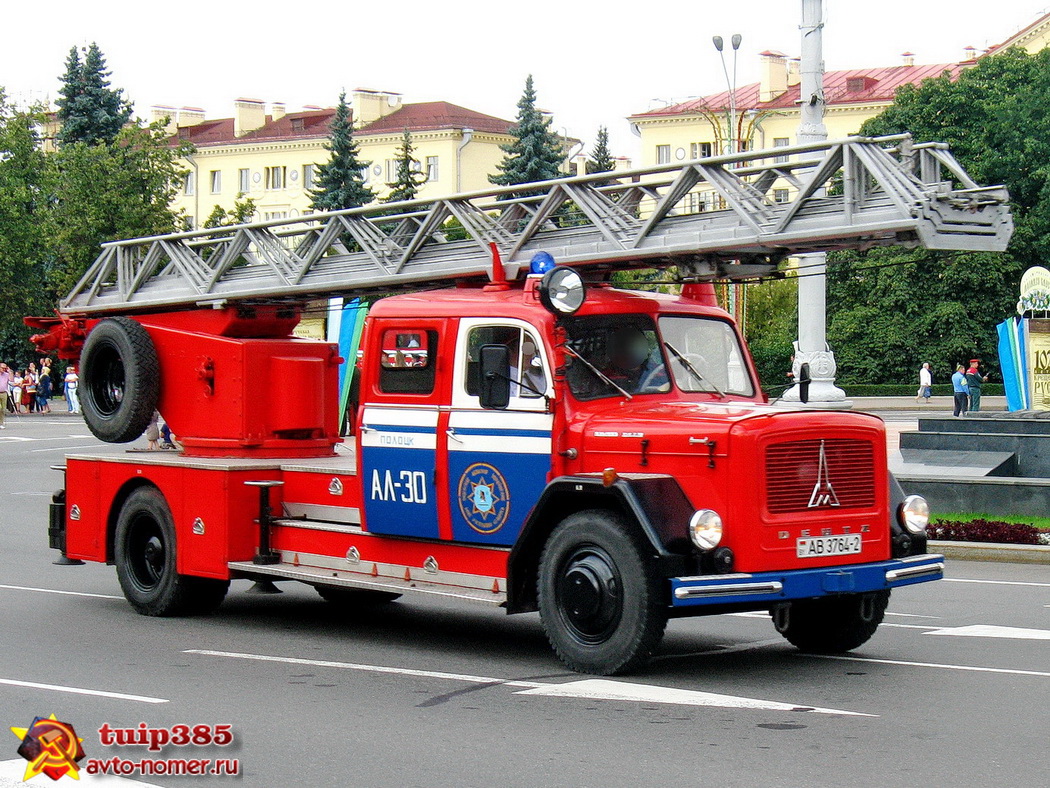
(452, 434)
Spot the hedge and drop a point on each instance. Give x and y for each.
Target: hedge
(906, 390)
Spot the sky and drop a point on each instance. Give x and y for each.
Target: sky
(594, 62)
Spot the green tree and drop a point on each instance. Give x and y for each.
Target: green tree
(890, 310)
(241, 213)
(23, 252)
(537, 153)
(772, 322)
(409, 178)
(89, 110)
(100, 193)
(601, 159)
(340, 182)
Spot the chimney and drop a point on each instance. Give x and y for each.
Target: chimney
(371, 105)
(794, 72)
(166, 114)
(277, 110)
(773, 75)
(909, 58)
(248, 115)
(190, 116)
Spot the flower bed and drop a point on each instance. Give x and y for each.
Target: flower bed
(980, 530)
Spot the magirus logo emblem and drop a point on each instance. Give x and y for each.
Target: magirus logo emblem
(823, 492)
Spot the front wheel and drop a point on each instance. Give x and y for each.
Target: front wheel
(599, 594)
(833, 624)
(144, 553)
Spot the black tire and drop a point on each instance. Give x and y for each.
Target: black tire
(601, 601)
(119, 380)
(144, 553)
(348, 597)
(833, 625)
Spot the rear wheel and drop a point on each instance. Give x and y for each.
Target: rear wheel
(834, 624)
(355, 596)
(599, 594)
(144, 553)
(119, 380)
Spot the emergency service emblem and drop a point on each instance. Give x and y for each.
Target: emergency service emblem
(484, 498)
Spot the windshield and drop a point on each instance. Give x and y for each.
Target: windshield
(705, 355)
(619, 355)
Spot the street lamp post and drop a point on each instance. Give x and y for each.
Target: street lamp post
(731, 145)
(812, 347)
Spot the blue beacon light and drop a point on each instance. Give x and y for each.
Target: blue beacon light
(541, 263)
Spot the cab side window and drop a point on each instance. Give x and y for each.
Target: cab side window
(406, 361)
(527, 375)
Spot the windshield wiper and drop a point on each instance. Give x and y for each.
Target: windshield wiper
(693, 370)
(601, 375)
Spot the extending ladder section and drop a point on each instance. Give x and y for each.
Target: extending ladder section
(727, 218)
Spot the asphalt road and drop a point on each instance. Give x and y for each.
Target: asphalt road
(953, 689)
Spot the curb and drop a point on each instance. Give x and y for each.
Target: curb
(987, 551)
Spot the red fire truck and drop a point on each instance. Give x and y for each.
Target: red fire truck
(521, 433)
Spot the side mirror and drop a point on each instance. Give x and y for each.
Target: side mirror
(494, 377)
(803, 382)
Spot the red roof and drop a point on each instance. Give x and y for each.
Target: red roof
(426, 116)
(852, 86)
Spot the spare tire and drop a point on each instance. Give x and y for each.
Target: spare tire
(119, 380)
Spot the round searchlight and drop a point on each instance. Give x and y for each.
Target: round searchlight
(915, 514)
(562, 290)
(705, 529)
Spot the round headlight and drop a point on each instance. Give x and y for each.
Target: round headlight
(562, 290)
(705, 529)
(915, 514)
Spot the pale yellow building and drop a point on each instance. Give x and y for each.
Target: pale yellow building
(272, 157)
(765, 114)
(1033, 38)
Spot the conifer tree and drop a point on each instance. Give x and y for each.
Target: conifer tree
(409, 178)
(601, 159)
(340, 182)
(536, 154)
(89, 109)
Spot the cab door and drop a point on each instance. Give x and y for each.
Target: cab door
(398, 429)
(499, 461)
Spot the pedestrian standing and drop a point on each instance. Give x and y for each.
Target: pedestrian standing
(959, 391)
(43, 386)
(5, 381)
(70, 383)
(974, 379)
(925, 383)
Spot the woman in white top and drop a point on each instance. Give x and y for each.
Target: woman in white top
(925, 382)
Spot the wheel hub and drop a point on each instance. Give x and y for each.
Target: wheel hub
(590, 596)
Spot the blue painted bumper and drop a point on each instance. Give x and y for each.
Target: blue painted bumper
(774, 587)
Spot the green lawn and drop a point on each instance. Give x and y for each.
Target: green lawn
(1042, 523)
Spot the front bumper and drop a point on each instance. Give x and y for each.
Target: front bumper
(777, 587)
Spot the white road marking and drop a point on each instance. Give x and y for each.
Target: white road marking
(12, 772)
(55, 591)
(907, 626)
(910, 615)
(14, 439)
(996, 582)
(990, 631)
(82, 691)
(595, 689)
(65, 448)
(974, 668)
(604, 689)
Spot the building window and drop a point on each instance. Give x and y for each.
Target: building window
(269, 216)
(700, 150)
(780, 195)
(309, 170)
(216, 181)
(391, 170)
(275, 177)
(781, 142)
(189, 185)
(663, 154)
(432, 168)
(244, 181)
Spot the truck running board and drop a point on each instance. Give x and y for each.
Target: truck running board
(315, 575)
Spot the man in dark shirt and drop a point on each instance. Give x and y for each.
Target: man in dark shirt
(974, 379)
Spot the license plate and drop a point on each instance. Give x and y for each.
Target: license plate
(819, 546)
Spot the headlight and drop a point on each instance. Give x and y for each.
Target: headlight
(705, 529)
(914, 514)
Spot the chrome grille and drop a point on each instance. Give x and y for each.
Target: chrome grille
(795, 483)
